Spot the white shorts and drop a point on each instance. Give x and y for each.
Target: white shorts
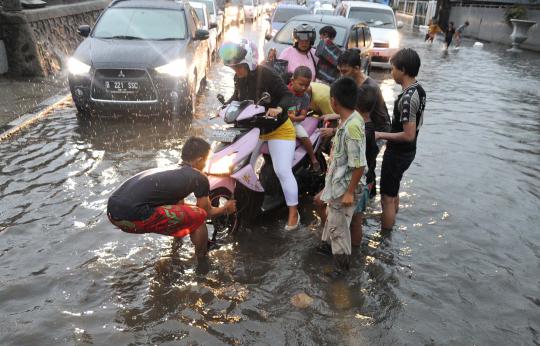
(300, 131)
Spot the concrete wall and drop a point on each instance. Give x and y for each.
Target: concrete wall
(488, 24)
(38, 42)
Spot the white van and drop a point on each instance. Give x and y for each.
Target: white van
(382, 23)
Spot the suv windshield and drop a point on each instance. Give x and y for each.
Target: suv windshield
(285, 34)
(373, 17)
(141, 24)
(284, 14)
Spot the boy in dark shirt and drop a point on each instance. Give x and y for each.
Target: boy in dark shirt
(401, 141)
(449, 34)
(153, 201)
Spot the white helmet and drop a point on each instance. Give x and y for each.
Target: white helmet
(242, 52)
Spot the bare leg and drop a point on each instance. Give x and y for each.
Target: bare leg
(293, 215)
(199, 238)
(309, 149)
(389, 211)
(320, 207)
(356, 229)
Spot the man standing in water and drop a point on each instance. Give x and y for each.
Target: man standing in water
(407, 120)
(153, 201)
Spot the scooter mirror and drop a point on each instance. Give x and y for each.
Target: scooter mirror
(265, 98)
(221, 99)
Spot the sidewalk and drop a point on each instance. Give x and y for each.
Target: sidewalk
(19, 96)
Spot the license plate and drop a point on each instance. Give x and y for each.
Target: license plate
(121, 86)
(226, 136)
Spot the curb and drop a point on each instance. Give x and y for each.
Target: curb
(43, 110)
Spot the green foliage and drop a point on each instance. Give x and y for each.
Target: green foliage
(515, 12)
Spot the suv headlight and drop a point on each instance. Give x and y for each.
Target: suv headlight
(176, 68)
(394, 40)
(77, 68)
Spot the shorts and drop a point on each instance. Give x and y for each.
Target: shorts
(176, 220)
(300, 131)
(363, 199)
(337, 227)
(393, 167)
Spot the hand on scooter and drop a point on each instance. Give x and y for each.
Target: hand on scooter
(230, 207)
(274, 112)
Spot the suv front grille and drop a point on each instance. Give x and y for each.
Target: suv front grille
(105, 79)
(381, 45)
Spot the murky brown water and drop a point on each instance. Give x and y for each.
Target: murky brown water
(462, 266)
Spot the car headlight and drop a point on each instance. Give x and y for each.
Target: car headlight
(77, 68)
(176, 68)
(394, 40)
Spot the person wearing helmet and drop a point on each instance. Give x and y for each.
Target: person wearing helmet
(251, 80)
(302, 52)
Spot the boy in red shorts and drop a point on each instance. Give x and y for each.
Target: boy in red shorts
(153, 201)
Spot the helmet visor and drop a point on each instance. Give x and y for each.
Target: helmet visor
(303, 36)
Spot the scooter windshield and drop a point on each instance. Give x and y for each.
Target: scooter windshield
(234, 109)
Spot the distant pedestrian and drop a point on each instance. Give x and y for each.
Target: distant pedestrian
(459, 33)
(401, 141)
(347, 163)
(433, 30)
(153, 201)
(449, 34)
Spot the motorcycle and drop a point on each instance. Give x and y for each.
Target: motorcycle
(240, 166)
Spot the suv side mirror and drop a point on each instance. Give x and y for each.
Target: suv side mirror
(84, 30)
(399, 24)
(201, 34)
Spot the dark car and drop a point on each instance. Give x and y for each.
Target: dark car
(282, 14)
(351, 33)
(142, 55)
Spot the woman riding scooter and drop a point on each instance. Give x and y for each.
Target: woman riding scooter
(250, 82)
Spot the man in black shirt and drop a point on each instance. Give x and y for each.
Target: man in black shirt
(153, 201)
(401, 146)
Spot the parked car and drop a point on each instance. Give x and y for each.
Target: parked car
(325, 9)
(234, 13)
(204, 19)
(143, 55)
(382, 23)
(216, 15)
(250, 9)
(282, 14)
(351, 33)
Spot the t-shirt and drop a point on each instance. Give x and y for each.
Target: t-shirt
(461, 29)
(409, 107)
(379, 115)
(296, 58)
(449, 34)
(137, 197)
(320, 98)
(301, 102)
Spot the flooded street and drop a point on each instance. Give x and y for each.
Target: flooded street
(461, 267)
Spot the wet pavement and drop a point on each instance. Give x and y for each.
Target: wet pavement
(461, 267)
(22, 95)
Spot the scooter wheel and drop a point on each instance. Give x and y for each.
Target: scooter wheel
(223, 224)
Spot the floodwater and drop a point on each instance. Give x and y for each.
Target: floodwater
(461, 267)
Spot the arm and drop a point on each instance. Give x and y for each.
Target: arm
(408, 134)
(204, 203)
(348, 197)
(301, 116)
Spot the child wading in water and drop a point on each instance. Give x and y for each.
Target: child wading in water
(347, 162)
(299, 85)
